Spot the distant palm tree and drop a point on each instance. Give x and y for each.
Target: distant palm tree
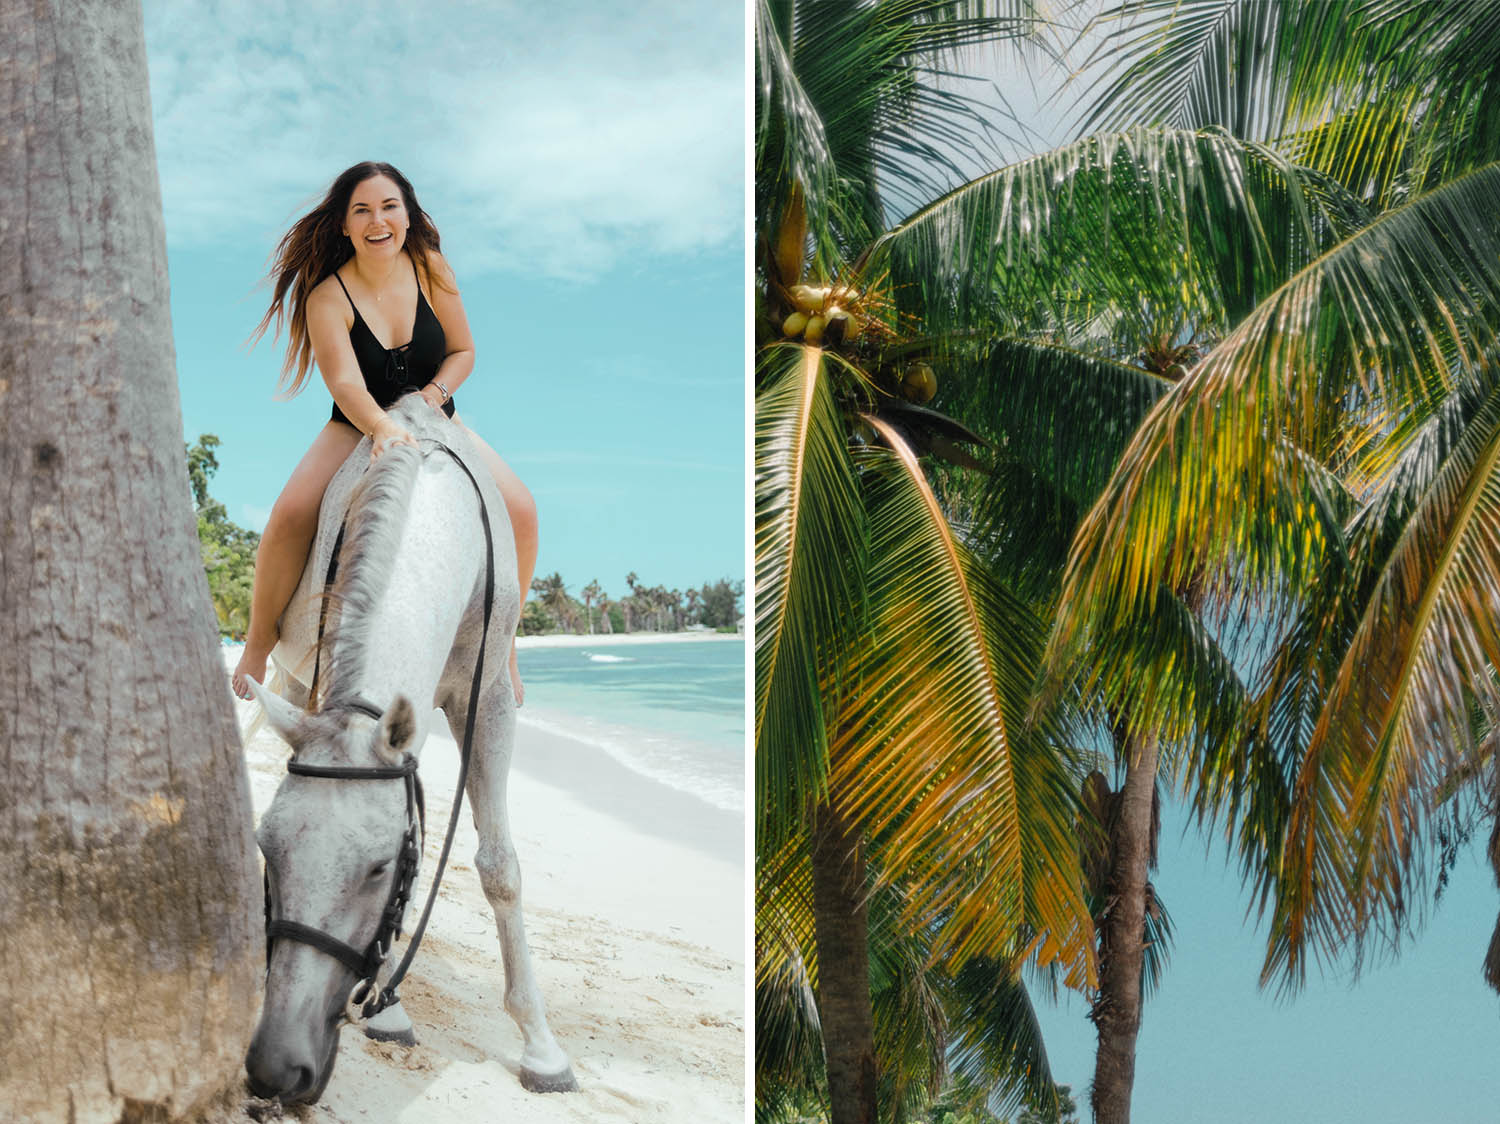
(552, 592)
(591, 593)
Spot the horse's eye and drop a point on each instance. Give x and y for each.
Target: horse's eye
(379, 869)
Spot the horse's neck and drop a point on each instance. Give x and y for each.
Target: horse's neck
(411, 630)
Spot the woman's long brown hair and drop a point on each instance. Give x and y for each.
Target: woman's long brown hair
(315, 247)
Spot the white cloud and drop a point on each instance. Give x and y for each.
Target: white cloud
(559, 140)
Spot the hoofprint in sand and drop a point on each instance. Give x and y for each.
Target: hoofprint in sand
(634, 904)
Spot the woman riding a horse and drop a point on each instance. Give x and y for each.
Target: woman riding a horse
(360, 269)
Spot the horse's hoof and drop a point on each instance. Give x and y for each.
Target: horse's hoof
(406, 1037)
(562, 1082)
(391, 1025)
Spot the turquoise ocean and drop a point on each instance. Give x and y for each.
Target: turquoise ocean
(673, 712)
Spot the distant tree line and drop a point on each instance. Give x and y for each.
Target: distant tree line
(229, 561)
(645, 609)
(228, 549)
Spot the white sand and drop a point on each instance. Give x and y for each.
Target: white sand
(635, 910)
(600, 639)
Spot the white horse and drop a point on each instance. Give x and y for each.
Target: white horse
(404, 627)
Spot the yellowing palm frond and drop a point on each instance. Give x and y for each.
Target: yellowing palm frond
(976, 808)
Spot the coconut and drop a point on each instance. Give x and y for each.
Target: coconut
(793, 324)
(808, 298)
(814, 332)
(919, 383)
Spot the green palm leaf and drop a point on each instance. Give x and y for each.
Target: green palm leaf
(976, 806)
(1409, 302)
(851, 105)
(1396, 721)
(1373, 335)
(1250, 66)
(808, 562)
(1195, 221)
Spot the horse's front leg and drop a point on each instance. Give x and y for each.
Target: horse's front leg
(544, 1065)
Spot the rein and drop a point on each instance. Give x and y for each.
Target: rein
(366, 965)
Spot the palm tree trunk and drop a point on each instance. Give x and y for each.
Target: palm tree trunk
(130, 898)
(841, 928)
(1122, 936)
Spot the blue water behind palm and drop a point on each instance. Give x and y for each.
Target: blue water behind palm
(674, 712)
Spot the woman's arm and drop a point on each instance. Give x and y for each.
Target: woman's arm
(448, 306)
(329, 332)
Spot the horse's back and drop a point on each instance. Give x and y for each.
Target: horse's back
(299, 623)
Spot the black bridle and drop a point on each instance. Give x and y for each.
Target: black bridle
(366, 964)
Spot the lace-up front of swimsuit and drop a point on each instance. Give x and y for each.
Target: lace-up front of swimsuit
(390, 372)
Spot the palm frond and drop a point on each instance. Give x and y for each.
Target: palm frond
(933, 728)
(997, 1041)
(851, 104)
(1212, 482)
(1197, 222)
(1400, 693)
(808, 565)
(1250, 66)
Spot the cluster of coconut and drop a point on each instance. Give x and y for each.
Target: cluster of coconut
(819, 315)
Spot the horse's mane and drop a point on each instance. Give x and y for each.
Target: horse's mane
(377, 515)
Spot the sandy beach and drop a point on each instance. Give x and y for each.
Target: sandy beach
(635, 910)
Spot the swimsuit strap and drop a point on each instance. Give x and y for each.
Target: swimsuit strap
(421, 296)
(353, 307)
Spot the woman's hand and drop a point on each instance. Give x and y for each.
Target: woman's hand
(433, 396)
(386, 434)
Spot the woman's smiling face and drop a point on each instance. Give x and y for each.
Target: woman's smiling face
(376, 218)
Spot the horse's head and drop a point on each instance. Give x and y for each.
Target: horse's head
(332, 850)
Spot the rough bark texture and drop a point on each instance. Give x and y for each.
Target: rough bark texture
(1122, 935)
(841, 928)
(128, 893)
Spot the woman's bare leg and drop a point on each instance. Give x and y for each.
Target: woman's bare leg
(521, 508)
(284, 546)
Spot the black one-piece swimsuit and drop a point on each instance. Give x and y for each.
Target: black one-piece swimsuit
(392, 371)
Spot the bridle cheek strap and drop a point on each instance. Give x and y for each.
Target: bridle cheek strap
(365, 965)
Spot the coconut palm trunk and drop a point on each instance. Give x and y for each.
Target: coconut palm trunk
(130, 896)
(841, 927)
(1122, 935)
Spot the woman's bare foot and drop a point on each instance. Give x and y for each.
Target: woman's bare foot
(517, 687)
(252, 664)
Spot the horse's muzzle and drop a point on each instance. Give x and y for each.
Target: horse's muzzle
(293, 1072)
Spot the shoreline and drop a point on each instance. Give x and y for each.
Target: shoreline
(598, 639)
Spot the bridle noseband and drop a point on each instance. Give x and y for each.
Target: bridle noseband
(367, 995)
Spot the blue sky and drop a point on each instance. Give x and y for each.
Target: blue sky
(584, 164)
(1411, 1039)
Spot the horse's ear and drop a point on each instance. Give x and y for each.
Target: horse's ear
(397, 731)
(284, 718)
